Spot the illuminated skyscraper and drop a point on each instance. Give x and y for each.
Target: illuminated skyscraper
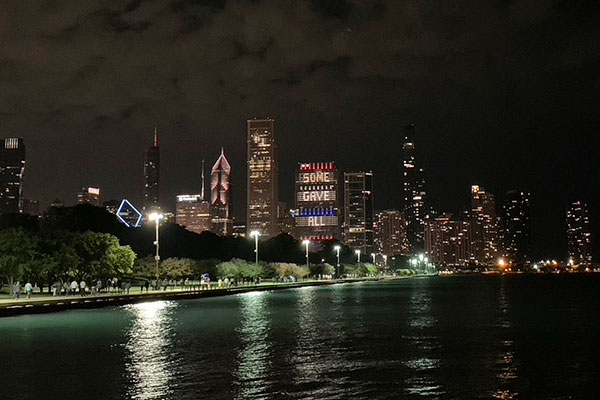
(193, 213)
(262, 177)
(485, 226)
(448, 241)
(390, 233)
(358, 211)
(220, 194)
(12, 169)
(89, 195)
(151, 175)
(579, 234)
(516, 227)
(317, 202)
(414, 191)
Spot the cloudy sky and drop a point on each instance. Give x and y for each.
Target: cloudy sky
(503, 94)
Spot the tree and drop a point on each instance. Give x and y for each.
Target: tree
(17, 249)
(178, 268)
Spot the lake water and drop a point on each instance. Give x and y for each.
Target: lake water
(440, 337)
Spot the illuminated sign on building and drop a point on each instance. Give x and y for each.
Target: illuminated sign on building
(317, 206)
(129, 215)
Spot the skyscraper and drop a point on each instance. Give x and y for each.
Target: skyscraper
(579, 236)
(193, 213)
(516, 227)
(262, 177)
(317, 202)
(220, 195)
(358, 211)
(151, 175)
(485, 226)
(448, 241)
(390, 233)
(12, 169)
(89, 195)
(414, 191)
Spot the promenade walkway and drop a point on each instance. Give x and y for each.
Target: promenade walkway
(44, 303)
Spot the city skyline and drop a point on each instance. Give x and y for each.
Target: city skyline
(498, 93)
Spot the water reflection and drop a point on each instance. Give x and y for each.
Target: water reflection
(307, 337)
(506, 364)
(423, 345)
(254, 353)
(150, 358)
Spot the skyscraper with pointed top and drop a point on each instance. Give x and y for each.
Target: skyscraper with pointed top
(151, 175)
(220, 194)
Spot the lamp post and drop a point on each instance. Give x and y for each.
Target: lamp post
(306, 242)
(337, 251)
(255, 234)
(156, 217)
(357, 252)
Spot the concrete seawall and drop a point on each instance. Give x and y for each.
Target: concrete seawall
(57, 304)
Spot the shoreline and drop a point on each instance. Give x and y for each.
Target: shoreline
(65, 303)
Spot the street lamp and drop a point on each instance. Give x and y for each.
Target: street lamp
(156, 217)
(357, 252)
(306, 242)
(337, 251)
(255, 234)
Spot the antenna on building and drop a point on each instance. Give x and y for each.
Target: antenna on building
(202, 193)
(155, 137)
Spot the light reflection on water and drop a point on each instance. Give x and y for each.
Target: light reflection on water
(150, 358)
(253, 360)
(506, 364)
(423, 344)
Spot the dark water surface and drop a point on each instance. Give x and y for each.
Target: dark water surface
(443, 337)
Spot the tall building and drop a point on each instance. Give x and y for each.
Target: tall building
(12, 169)
(414, 195)
(89, 195)
(151, 175)
(485, 226)
(358, 211)
(263, 182)
(317, 202)
(285, 219)
(193, 213)
(579, 235)
(390, 233)
(448, 241)
(516, 230)
(220, 195)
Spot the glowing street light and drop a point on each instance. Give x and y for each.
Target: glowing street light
(357, 252)
(306, 242)
(255, 234)
(337, 250)
(156, 217)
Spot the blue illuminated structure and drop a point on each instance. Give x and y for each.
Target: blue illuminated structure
(129, 215)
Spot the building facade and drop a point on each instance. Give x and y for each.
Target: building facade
(359, 233)
(317, 202)
(485, 226)
(12, 170)
(516, 230)
(448, 241)
(390, 233)
(89, 195)
(152, 175)
(193, 213)
(263, 184)
(220, 196)
(30, 207)
(579, 234)
(414, 194)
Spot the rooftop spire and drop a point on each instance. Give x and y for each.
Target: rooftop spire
(155, 137)
(202, 193)
(222, 151)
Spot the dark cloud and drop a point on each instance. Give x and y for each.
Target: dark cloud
(503, 93)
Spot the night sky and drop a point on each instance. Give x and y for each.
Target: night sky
(503, 94)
